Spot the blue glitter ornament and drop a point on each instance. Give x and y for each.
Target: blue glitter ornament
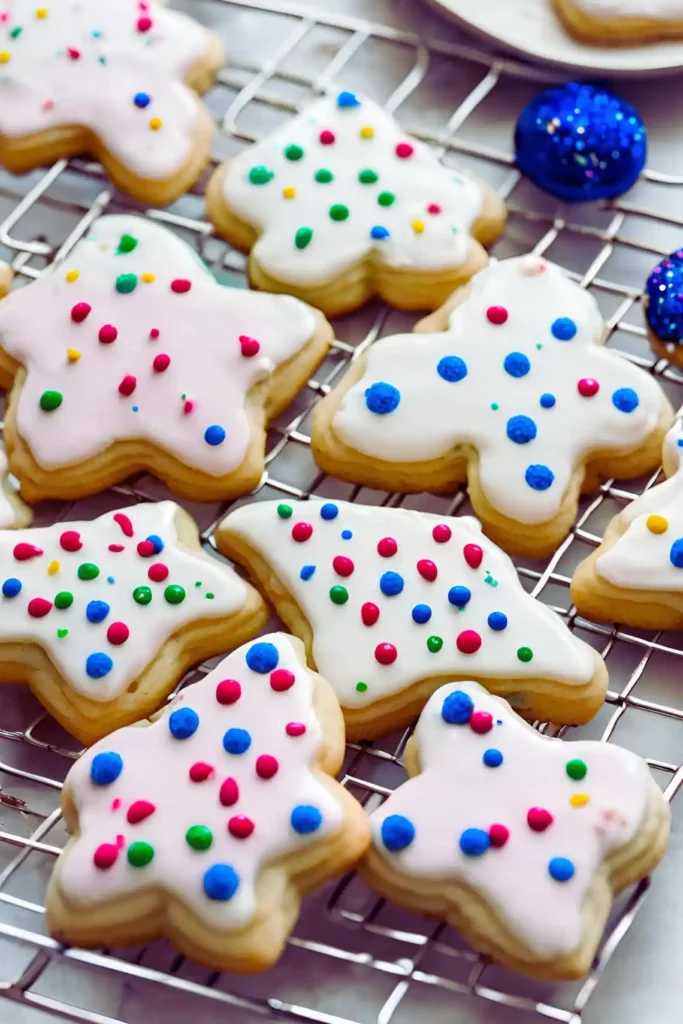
(664, 299)
(580, 143)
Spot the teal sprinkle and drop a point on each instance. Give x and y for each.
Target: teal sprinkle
(490, 580)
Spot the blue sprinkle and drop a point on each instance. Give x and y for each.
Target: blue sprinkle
(214, 435)
(105, 768)
(97, 611)
(548, 400)
(625, 399)
(521, 429)
(220, 882)
(561, 869)
(397, 832)
(564, 329)
(136, 408)
(183, 723)
(676, 553)
(236, 741)
(492, 758)
(539, 477)
(452, 368)
(378, 232)
(680, 442)
(382, 398)
(391, 583)
(98, 665)
(421, 613)
(110, 579)
(141, 100)
(516, 364)
(457, 708)
(11, 587)
(306, 572)
(459, 596)
(498, 621)
(262, 657)
(329, 511)
(156, 542)
(305, 819)
(474, 842)
(346, 535)
(347, 99)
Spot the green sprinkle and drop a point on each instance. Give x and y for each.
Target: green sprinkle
(199, 837)
(303, 237)
(126, 283)
(285, 511)
(434, 644)
(142, 595)
(539, 345)
(525, 654)
(339, 211)
(61, 633)
(198, 583)
(294, 152)
(127, 243)
(88, 571)
(490, 580)
(51, 400)
(140, 854)
(494, 406)
(339, 595)
(64, 599)
(386, 199)
(577, 769)
(16, 32)
(209, 596)
(361, 687)
(260, 175)
(174, 594)
(324, 176)
(368, 177)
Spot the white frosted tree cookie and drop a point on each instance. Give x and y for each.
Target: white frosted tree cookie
(390, 603)
(116, 80)
(208, 824)
(129, 356)
(517, 840)
(635, 576)
(608, 22)
(103, 618)
(339, 205)
(509, 388)
(13, 513)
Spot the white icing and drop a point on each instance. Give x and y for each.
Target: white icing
(434, 414)
(416, 182)
(457, 791)
(494, 586)
(640, 559)
(199, 330)
(56, 571)
(44, 89)
(666, 10)
(156, 768)
(7, 515)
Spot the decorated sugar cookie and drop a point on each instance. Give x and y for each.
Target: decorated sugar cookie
(608, 22)
(117, 80)
(130, 356)
(13, 513)
(517, 840)
(208, 824)
(102, 618)
(636, 575)
(410, 599)
(516, 395)
(339, 204)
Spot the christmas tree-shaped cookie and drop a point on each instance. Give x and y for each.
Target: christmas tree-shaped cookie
(517, 840)
(391, 602)
(208, 824)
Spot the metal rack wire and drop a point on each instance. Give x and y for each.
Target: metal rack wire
(346, 939)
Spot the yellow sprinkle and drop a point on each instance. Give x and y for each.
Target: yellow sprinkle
(72, 275)
(73, 355)
(579, 799)
(288, 192)
(657, 524)
(367, 132)
(5, 57)
(53, 568)
(155, 123)
(148, 278)
(41, 12)
(418, 226)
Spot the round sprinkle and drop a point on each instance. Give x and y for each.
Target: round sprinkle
(154, 333)
(492, 758)
(346, 534)
(657, 524)
(228, 691)
(240, 826)
(497, 621)
(561, 869)
(294, 152)
(126, 283)
(327, 137)
(525, 654)
(262, 657)
(181, 285)
(229, 793)
(576, 769)
(285, 511)
(338, 211)
(441, 533)
(200, 771)
(418, 226)
(421, 613)
(368, 176)
(342, 565)
(306, 819)
(142, 100)
(174, 594)
(281, 680)
(339, 595)
(387, 547)
(105, 856)
(118, 633)
(588, 387)
(516, 364)
(539, 477)
(98, 665)
(473, 555)
(452, 369)
(161, 362)
(347, 99)
(323, 176)
(88, 571)
(404, 150)
(127, 243)
(369, 613)
(538, 819)
(474, 842)
(128, 385)
(386, 654)
(564, 328)
(183, 723)
(80, 312)
(266, 766)
(249, 346)
(139, 810)
(457, 708)
(427, 569)
(367, 132)
(391, 584)
(156, 542)
(260, 175)
(579, 799)
(499, 835)
(434, 209)
(625, 400)
(386, 199)
(378, 232)
(236, 741)
(548, 401)
(301, 532)
(361, 687)
(220, 882)
(11, 587)
(382, 398)
(459, 596)
(144, 24)
(288, 192)
(145, 549)
(295, 729)
(199, 837)
(51, 400)
(142, 595)
(497, 315)
(481, 722)
(329, 511)
(105, 768)
(97, 611)
(140, 854)
(214, 435)
(108, 334)
(468, 642)
(155, 123)
(521, 429)
(676, 553)
(434, 644)
(39, 607)
(64, 600)
(70, 540)
(306, 572)
(398, 832)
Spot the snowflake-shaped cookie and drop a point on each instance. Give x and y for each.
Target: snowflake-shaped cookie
(518, 840)
(339, 204)
(107, 78)
(410, 599)
(102, 618)
(13, 513)
(209, 824)
(517, 396)
(136, 358)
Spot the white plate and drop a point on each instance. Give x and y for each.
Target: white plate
(532, 27)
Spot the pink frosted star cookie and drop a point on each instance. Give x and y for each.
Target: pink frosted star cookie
(410, 599)
(339, 204)
(13, 513)
(130, 356)
(116, 80)
(208, 824)
(610, 22)
(517, 840)
(508, 387)
(102, 618)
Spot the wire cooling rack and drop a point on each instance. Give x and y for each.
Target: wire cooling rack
(353, 959)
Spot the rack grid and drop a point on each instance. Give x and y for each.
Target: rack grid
(450, 93)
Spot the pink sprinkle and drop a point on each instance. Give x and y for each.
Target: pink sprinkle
(481, 722)
(228, 691)
(434, 208)
(387, 547)
(105, 856)
(23, 552)
(144, 24)
(80, 311)
(39, 607)
(404, 150)
(154, 333)
(139, 810)
(588, 387)
(107, 334)
(497, 315)
(118, 633)
(161, 362)
(301, 532)
(327, 137)
(181, 285)
(116, 803)
(539, 819)
(295, 728)
(4, 17)
(473, 555)
(116, 548)
(240, 827)
(427, 569)
(74, 54)
(386, 654)
(229, 793)
(342, 565)
(200, 771)
(145, 549)
(158, 572)
(124, 522)
(48, 104)
(189, 406)
(441, 533)
(128, 385)
(250, 346)
(468, 642)
(266, 766)
(499, 835)
(369, 613)
(120, 841)
(281, 679)
(70, 540)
